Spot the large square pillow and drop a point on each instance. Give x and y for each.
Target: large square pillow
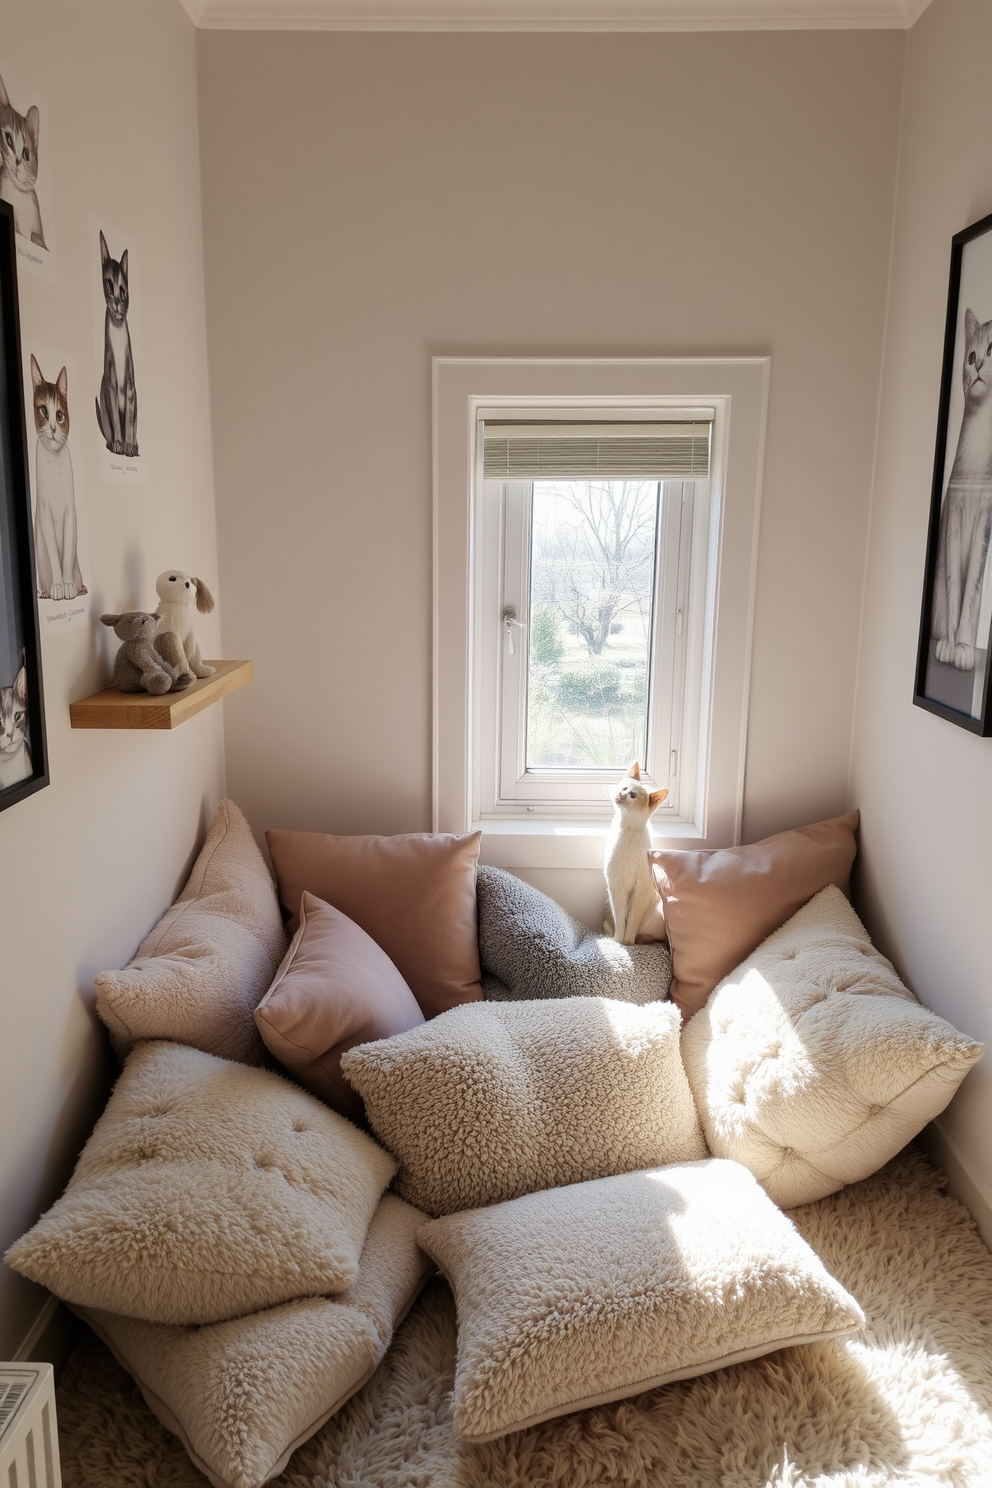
(493, 1100)
(334, 989)
(197, 976)
(812, 1064)
(207, 1190)
(243, 1395)
(576, 1296)
(533, 948)
(414, 894)
(720, 904)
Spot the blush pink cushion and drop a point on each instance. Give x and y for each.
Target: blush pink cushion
(335, 988)
(720, 905)
(414, 894)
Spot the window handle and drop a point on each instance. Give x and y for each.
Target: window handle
(509, 622)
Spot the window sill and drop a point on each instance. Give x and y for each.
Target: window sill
(561, 844)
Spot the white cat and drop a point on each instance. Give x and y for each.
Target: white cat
(629, 880)
(55, 531)
(966, 513)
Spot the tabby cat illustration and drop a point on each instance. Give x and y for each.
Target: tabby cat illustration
(117, 405)
(966, 512)
(15, 745)
(19, 167)
(55, 534)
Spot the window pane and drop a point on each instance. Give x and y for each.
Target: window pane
(592, 590)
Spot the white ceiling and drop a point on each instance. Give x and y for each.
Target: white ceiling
(553, 15)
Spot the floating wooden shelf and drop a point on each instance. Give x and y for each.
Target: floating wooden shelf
(140, 710)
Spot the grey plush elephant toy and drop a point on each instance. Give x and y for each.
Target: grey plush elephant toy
(137, 665)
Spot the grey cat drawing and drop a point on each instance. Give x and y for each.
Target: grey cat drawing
(966, 510)
(117, 405)
(15, 743)
(19, 167)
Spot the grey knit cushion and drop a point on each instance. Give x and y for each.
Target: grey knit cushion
(530, 948)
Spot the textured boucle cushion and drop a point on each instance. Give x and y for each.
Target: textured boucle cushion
(207, 1190)
(242, 1395)
(531, 948)
(580, 1295)
(197, 977)
(492, 1100)
(812, 1064)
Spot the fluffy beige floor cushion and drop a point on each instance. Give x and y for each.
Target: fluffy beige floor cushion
(335, 988)
(492, 1100)
(580, 1295)
(721, 903)
(199, 974)
(812, 1063)
(413, 893)
(207, 1190)
(242, 1395)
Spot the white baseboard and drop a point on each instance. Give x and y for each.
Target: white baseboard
(963, 1181)
(50, 1336)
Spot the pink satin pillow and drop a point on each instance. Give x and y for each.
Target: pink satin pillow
(334, 989)
(721, 904)
(414, 894)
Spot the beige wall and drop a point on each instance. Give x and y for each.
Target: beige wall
(370, 201)
(925, 786)
(88, 864)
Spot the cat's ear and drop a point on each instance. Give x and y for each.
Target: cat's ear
(124, 264)
(21, 687)
(36, 377)
(104, 251)
(4, 100)
(33, 120)
(204, 599)
(110, 619)
(63, 385)
(656, 798)
(635, 771)
(972, 325)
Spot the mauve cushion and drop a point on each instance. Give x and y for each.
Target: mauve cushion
(413, 893)
(335, 988)
(721, 904)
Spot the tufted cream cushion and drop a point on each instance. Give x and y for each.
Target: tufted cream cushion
(580, 1295)
(812, 1063)
(207, 1190)
(492, 1100)
(198, 975)
(242, 1395)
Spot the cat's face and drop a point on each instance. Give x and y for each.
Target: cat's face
(115, 290)
(977, 369)
(633, 799)
(19, 143)
(51, 408)
(14, 715)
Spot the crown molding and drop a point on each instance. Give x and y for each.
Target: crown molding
(554, 15)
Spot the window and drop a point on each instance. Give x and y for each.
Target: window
(589, 626)
(595, 542)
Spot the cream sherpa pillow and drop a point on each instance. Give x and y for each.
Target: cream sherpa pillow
(243, 1395)
(580, 1295)
(812, 1064)
(492, 1100)
(198, 976)
(207, 1190)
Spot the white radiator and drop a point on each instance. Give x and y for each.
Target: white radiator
(29, 1446)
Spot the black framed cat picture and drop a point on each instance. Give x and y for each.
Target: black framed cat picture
(23, 751)
(953, 671)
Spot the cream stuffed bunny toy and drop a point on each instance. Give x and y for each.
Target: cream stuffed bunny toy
(174, 639)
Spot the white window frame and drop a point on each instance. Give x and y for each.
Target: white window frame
(465, 389)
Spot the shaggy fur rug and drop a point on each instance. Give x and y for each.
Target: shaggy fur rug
(908, 1401)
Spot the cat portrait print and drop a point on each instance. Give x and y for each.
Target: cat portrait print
(966, 511)
(117, 405)
(19, 167)
(15, 743)
(56, 532)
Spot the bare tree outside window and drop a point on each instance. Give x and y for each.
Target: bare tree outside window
(592, 589)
